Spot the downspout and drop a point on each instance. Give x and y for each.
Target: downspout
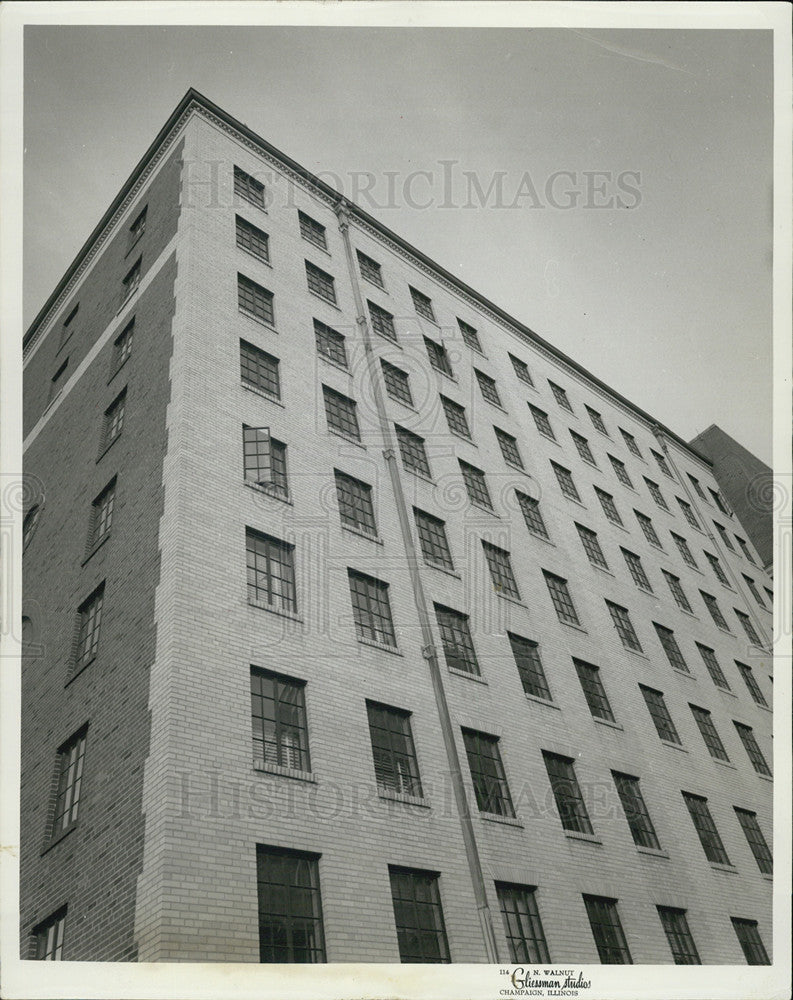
(717, 545)
(428, 650)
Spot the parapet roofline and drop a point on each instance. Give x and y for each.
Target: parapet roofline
(195, 97)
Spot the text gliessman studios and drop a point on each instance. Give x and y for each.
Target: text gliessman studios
(545, 982)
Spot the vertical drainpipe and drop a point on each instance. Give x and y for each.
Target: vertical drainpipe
(428, 647)
(740, 588)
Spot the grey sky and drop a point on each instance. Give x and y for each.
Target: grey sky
(669, 301)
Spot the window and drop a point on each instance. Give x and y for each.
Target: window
(421, 933)
(422, 304)
(656, 494)
(102, 515)
(752, 749)
(532, 515)
(749, 938)
(330, 343)
(529, 664)
(48, 938)
(395, 766)
(748, 628)
(70, 776)
(397, 383)
(248, 187)
(509, 448)
(522, 925)
(584, 450)
(719, 573)
(542, 422)
(624, 627)
(751, 683)
(68, 328)
(594, 692)
(355, 503)
(589, 540)
(29, 525)
(671, 648)
(561, 599)
(755, 592)
(757, 841)
(264, 461)
(290, 906)
(565, 479)
(122, 346)
(712, 664)
(699, 491)
(320, 283)
(715, 611)
(630, 441)
(567, 793)
(621, 472)
(675, 926)
(455, 418)
(114, 420)
(432, 539)
(341, 415)
(597, 420)
(721, 503)
(411, 447)
(688, 513)
(662, 464)
(521, 370)
(660, 715)
(138, 227)
(439, 359)
(560, 395)
(56, 383)
(706, 829)
(254, 300)
(89, 620)
(487, 773)
(745, 550)
(259, 370)
(607, 503)
(770, 595)
(488, 387)
(370, 269)
(500, 567)
(636, 570)
(252, 239)
(382, 322)
(132, 279)
(641, 826)
(371, 609)
(470, 336)
(704, 720)
(475, 485)
(684, 550)
(607, 930)
(646, 524)
(458, 647)
(677, 591)
(312, 231)
(724, 535)
(271, 572)
(278, 719)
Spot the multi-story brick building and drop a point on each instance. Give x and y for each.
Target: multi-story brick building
(361, 623)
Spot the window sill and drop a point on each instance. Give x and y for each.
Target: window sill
(468, 675)
(727, 869)
(265, 395)
(52, 401)
(576, 628)
(690, 614)
(375, 284)
(281, 612)
(517, 468)
(134, 243)
(674, 746)
(102, 453)
(257, 319)
(602, 569)
(326, 301)
(419, 475)
(512, 600)
(117, 370)
(652, 852)
(362, 534)
(548, 437)
(76, 671)
(258, 488)
(487, 510)
(462, 437)
(64, 343)
(587, 838)
(644, 590)
(389, 340)
(496, 406)
(255, 256)
(248, 201)
(608, 723)
(542, 538)
(409, 800)
(96, 548)
(127, 300)
(393, 650)
(446, 375)
(636, 652)
(730, 694)
(541, 701)
(316, 246)
(334, 364)
(285, 772)
(396, 399)
(347, 438)
(489, 817)
(57, 839)
(724, 763)
(765, 777)
(767, 877)
(684, 673)
(620, 526)
(442, 569)
(765, 708)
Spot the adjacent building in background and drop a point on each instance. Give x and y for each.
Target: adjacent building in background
(746, 483)
(361, 624)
